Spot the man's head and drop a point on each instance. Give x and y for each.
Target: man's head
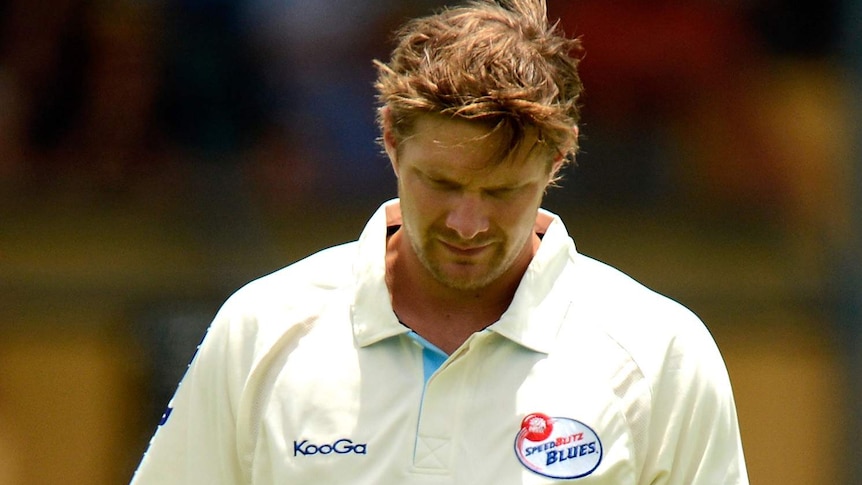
(498, 63)
(479, 112)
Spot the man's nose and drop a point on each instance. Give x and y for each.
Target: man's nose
(468, 217)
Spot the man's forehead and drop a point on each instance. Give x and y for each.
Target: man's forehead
(441, 134)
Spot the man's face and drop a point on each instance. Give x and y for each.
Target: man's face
(469, 216)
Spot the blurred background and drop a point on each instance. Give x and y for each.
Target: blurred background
(155, 155)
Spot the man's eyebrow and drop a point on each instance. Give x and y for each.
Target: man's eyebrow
(508, 186)
(435, 176)
(441, 177)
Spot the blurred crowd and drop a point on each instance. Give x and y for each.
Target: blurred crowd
(128, 96)
(274, 98)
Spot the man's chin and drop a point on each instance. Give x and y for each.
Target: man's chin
(465, 281)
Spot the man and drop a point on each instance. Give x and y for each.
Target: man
(462, 339)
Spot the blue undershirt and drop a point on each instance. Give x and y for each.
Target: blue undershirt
(432, 356)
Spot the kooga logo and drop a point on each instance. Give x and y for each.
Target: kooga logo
(342, 447)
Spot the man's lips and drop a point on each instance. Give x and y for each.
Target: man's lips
(465, 249)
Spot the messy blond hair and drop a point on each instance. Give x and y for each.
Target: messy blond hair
(499, 63)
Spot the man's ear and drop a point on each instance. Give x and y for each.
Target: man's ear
(555, 168)
(559, 161)
(389, 142)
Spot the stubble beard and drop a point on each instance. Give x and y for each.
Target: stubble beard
(495, 266)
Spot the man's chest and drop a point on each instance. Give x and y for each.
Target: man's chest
(495, 412)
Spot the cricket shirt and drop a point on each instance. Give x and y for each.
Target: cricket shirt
(306, 376)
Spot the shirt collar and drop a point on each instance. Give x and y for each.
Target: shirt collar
(543, 297)
(373, 317)
(532, 320)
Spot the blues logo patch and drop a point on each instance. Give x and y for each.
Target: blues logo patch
(558, 447)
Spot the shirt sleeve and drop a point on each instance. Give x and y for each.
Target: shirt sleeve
(196, 441)
(694, 436)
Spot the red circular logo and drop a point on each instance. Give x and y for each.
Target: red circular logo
(537, 427)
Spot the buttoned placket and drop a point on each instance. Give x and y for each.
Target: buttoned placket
(446, 395)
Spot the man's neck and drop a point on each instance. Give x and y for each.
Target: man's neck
(443, 315)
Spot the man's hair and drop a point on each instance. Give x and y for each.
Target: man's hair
(500, 63)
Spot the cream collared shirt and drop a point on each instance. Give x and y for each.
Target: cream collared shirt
(307, 377)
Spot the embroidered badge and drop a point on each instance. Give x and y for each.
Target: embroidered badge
(558, 447)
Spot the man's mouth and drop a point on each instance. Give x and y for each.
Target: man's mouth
(465, 249)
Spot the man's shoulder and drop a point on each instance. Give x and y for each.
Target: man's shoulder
(272, 313)
(326, 268)
(611, 290)
(271, 305)
(645, 324)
